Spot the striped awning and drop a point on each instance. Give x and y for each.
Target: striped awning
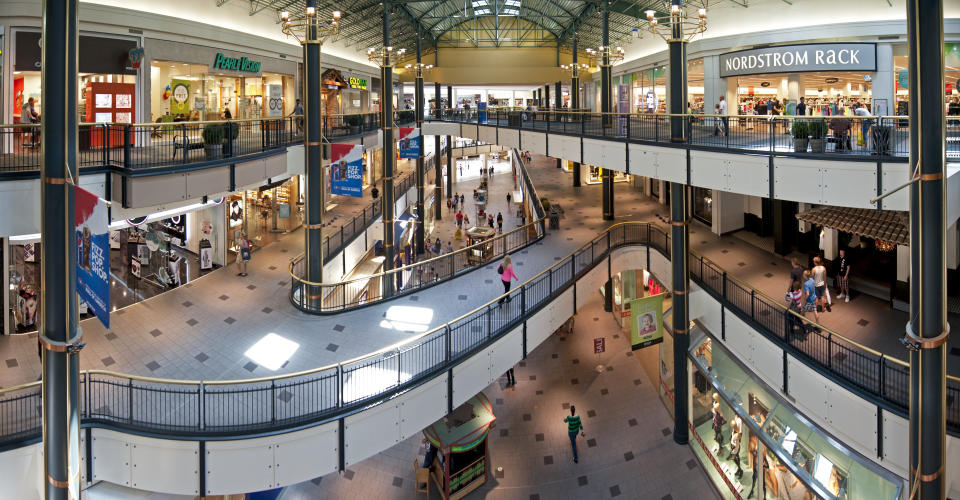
(885, 225)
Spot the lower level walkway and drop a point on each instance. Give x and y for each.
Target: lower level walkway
(628, 451)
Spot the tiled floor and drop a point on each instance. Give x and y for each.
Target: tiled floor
(203, 329)
(628, 451)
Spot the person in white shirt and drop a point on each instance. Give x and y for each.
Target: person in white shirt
(723, 111)
(865, 124)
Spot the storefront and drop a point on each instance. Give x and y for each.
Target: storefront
(264, 212)
(105, 70)
(649, 90)
(752, 443)
(703, 205)
(190, 82)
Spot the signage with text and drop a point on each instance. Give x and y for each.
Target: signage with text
(409, 139)
(800, 58)
(346, 169)
(236, 64)
(599, 345)
(357, 83)
(93, 253)
(646, 320)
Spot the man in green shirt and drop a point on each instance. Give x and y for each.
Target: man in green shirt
(573, 426)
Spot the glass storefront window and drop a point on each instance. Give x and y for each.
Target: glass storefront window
(751, 441)
(703, 204)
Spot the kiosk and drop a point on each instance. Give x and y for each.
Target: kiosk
(461, 438)
(484, 235)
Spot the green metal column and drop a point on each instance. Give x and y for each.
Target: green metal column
(928, 330)
(420, 174)
(59, 334)
(680, 240)
(313, 178)
(606, 107)
(386, 125)
(437, 158)
(575, 105)
(450, 145)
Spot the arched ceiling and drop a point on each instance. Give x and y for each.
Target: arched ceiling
(480, 23)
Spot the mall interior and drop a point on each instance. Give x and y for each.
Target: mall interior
(503, 249)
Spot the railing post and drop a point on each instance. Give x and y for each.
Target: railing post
(127, 147)
(752, 301)
(881, 365)
(263, 135)
(771, 125)
(106, 144)
(339, 385)
(130, 401)
(830, 349)
(489, 327)
(201, 406)
(398, 367)
(550, 281)
(448, 352)
(724, 291)
(273, 401)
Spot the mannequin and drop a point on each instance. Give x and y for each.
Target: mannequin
(718, 422)
(736, 433)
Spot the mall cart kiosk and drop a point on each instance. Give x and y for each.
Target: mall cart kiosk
(461, 438)
(480, 234)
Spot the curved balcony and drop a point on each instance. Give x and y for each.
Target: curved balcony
(356, 292)
(197, 409)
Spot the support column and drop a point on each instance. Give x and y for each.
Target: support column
(450, 146)
(575, 82)
(576, 174)
(606, 107)
(546, 96)
(314, 189)
(58, 326)
(437, 158)
(883, 92)
(420, 174)
(928, 328)
(386, 126)
(680, 237)
(558, 96)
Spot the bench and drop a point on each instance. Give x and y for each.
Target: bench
(186, 144)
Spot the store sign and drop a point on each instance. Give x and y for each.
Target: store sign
(409, 138)
(93, 253)
(357, 83)
(233, 63)
(136, 57)
(800, 58)
(646, 321)
(346, 169)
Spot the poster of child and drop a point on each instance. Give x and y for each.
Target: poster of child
(648, 324)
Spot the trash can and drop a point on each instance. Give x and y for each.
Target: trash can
(554, 219)
(514, 119)
(881, 136)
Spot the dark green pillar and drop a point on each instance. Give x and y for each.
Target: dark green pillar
(575, 103)
(58, 309)
(606, 107)
(450, 146)
(928, 329)
(420, 173)
(386, 125)
(313, 177)
(437, 158)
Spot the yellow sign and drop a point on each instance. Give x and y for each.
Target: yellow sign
(358, 83)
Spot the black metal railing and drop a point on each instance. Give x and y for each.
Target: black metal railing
(348, 294)
(138, 146)
(832, 136)
(195, 409)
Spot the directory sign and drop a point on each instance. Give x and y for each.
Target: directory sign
(409, 138)
(346, 169)
(646, 321)
(93, 253)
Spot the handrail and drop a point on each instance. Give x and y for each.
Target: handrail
(587, 111)
(533, 293)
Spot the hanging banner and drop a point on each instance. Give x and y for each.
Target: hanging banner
(409, 138)
(623, 107)
(482, 112)
(646, 321)
(180, 97)
(346, 169)
(93, 253)
(275, 100)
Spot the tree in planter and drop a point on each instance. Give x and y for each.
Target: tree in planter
(801, 135)
(354, 122)
(212, 140)
(818, 131)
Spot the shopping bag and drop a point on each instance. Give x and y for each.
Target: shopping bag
(860, 141)
(829, 299)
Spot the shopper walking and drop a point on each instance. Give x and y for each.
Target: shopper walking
(802, 108)
(574, 425)
(508, 200)
(810, 296)
(796, 273)
(459, 218)
(820, 280)
(499, 222)
(505, 270)
(794, 305)
(723, 113)
(843, 276)
(511, 380)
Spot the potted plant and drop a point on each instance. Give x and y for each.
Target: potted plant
(818, 131)
(545, 203)
(354, 122)
(800, 133)
(212, 140)
(232, 130)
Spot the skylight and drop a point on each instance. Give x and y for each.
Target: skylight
(481, 11)
(479, 3)
(514, 3)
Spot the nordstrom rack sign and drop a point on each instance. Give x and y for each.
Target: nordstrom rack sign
(800, 58)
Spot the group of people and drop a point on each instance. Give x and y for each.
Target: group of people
(808, 291)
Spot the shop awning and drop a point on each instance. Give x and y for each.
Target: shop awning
(887, 225)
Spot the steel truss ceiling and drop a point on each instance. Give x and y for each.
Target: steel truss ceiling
(481, 23)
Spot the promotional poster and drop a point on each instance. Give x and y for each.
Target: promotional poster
(346, 169)
(93, 253)
(482, 112)
(409, 139)
(646, 321)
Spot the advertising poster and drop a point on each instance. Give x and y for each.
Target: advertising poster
(623, 106)
(93, 253)
(651, 101)
(482, 112)
(346, 169)
(179, 97)
(646, 321)
(275, 103)
(409, 138)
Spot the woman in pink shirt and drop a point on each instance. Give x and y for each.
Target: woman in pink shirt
(506, 274)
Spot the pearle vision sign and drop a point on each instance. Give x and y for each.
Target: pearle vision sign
(800, 58)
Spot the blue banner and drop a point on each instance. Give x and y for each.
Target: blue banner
(93, 253)
(409, 143)
(346, 169)
(482, 112)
